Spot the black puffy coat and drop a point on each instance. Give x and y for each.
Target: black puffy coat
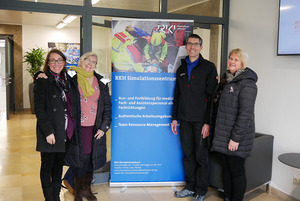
(49, 109)
(235, 115)
(74, 157)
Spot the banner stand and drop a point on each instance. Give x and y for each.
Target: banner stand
(143, 184)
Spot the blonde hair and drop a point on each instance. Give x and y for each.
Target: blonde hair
(85, 56)
(242, 54)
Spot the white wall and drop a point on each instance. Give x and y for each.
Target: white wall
(34, 36)
(253, 27)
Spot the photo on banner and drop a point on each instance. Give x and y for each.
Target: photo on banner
(70, 50)
(148, 45)
(145, 56)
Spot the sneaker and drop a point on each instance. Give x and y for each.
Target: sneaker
(198, 198)
(183, 193)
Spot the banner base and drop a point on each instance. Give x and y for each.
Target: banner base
(141, 184)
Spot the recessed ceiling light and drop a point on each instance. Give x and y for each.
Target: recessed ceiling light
(69, 18)
(285, 7)
(95, 1)
(60, 25)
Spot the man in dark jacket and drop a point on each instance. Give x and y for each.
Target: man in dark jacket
(196, 80)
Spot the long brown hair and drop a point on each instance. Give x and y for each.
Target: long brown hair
(56, 51)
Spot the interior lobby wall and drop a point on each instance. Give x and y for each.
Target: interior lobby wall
(253, 27)
(39, 36)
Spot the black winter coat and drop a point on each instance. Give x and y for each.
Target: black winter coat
(192, 99)
(74, 157)
(235, 115)
(49, 109)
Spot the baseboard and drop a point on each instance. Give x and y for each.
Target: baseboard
(281, 195)
(277, 193)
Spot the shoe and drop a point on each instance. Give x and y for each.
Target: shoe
(198, 198)
(183, 193)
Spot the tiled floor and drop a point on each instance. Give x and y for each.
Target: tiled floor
(20, 163)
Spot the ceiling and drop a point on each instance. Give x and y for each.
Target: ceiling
(49, 19)
(33, 18)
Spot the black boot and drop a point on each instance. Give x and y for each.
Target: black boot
(48, 194)
(56, 191)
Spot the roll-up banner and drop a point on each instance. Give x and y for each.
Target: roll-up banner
(145, 56)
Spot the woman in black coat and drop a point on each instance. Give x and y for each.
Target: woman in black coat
(87, 152)
(232, 122)
(53, 105)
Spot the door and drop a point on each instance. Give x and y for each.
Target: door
(7, 75)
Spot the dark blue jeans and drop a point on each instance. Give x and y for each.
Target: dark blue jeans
(195, 160)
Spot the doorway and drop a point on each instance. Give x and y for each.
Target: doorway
(7, 105)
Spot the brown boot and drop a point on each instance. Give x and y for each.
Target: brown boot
(87, 187)
(78, 187)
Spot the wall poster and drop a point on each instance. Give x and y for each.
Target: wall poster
(70, 50)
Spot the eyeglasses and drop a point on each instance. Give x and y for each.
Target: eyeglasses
(193, 44)
(53, 61)
(91, 62)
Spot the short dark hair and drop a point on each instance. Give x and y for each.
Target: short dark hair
(195, 36)
(56, 51)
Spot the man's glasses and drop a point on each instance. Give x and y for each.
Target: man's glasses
(53, 61)
(193, 44)
(92, 62)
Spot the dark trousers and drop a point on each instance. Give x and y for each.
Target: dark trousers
(87, 167)
(51, 168)
(195, 160)
(234, 177)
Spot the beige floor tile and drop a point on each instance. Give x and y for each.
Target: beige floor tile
(10, 168)
(32, 193)
(31, 167)
(31, 179)
(160, 193)
(11, 193)
(129, 195)
(10, 181)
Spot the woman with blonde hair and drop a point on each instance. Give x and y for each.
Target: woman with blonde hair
(87, 152)
(233, 124)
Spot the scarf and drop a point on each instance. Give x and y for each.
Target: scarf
(64, 88)
(84, 84)
(230, 77)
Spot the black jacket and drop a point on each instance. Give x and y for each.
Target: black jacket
(74, 156)
(235, 115)
(192, 99)
(49, 109)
